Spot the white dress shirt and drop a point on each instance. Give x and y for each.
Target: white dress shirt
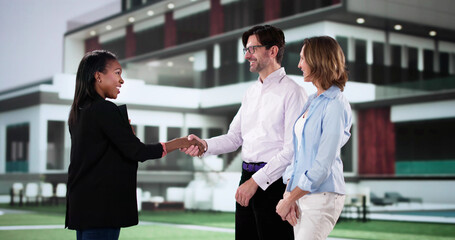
(263, 126)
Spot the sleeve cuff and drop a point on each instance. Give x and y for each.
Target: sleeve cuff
(305, 183)
(164, 149)
(262, 180)
(209, 143)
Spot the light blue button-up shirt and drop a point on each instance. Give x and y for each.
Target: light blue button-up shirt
(317, 166)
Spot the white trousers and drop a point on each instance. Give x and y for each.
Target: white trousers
(319, 213)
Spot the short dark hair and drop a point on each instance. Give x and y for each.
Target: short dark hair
(268, 36)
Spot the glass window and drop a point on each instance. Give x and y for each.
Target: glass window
(17, 147)
(193, 27)
(55, 145)
(195, 131)
(413, 70)
(117, 46)
(176, 160)
(213, 132)
(343, 41)
(185, 70)
(229, 67)
(428, 64)
(425, 147)
(291, 58)
(255, 12)
(346, 155)
(150, 40)
(151, 135)
(234, 15)
(378, 63)
(360, 70)
(444, 64)
(395, 68)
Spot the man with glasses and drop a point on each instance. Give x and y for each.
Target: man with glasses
(263, 127)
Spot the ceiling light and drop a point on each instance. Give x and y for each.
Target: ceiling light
(108, 27)
(92, 33)
(153, 63)
(433, 33)
(398, 27)
(131, 19)
(191, 59)
(150, 12)
(171, 6)
(170, 64)
(360, 20)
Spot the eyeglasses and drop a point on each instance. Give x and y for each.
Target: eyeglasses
(252, 49)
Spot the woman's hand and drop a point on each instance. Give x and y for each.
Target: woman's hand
(184, 142)
(193, 150)
(283, 208)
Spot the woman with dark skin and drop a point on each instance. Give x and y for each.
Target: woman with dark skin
(101, 196)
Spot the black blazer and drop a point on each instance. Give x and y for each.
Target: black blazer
(103, 169)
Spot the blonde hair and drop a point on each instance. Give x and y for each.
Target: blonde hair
(326, 61)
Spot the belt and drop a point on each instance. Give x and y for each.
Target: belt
(253, 167)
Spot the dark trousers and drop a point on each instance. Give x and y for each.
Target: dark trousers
(98, 234)
(259, 221)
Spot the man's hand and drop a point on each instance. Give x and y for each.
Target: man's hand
(194, 150)
(245, 192)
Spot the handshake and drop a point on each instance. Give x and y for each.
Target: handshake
(191, 145)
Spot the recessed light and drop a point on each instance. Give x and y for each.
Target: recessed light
(131, 19)
(360, 20)
(191, 59)
(432, 33)
(171, 6)
(170, 64)
(150, 12)
(108, 27)
(154, 63)
(92, 33)
(398, 27)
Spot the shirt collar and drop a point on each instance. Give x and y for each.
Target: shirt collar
(275, 76)
(332, 92)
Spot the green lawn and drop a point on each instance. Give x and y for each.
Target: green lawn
(51, 215)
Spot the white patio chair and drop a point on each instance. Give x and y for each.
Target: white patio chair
(47, 192)
(32, 192)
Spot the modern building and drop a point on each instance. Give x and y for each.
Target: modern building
(185, 73)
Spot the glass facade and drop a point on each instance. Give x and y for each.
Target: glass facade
(55, 145)
(17, 147)
(425, 147)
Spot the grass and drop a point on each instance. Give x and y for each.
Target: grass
(52, 215)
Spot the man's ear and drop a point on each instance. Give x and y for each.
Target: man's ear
(274, 51)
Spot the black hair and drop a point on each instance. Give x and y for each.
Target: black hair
(268, 36)
(92, 62)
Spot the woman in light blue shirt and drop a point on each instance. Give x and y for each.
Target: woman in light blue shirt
(314, 196)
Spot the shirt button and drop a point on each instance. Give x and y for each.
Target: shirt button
(268, 183)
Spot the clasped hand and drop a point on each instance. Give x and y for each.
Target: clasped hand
(197, 147)
(288, 210)
(195, 150)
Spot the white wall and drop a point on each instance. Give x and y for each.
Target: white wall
(431, 191)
